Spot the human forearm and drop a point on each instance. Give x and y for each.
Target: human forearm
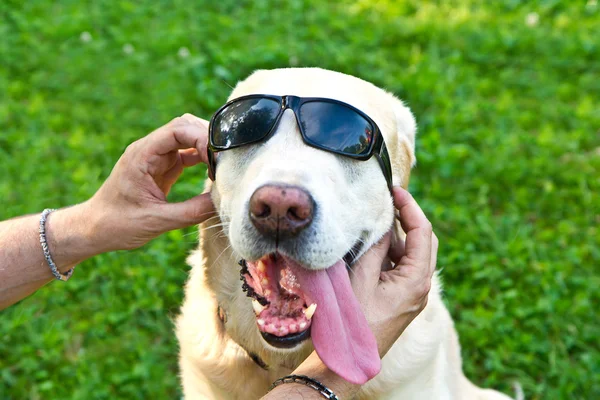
(131, 206)
(130, 209)
(23, 268)
(314, 368)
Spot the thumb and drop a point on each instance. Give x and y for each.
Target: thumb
(368, 267)
(190, 212)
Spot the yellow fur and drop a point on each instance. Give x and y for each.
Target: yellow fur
(424, 363)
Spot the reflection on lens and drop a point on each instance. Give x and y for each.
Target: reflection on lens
(244, 122)
(336, 127)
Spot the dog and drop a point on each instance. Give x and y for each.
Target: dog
(228, 349)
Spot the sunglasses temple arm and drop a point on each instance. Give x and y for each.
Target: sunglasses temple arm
(212, 164)
(385, 165)
(386, 173)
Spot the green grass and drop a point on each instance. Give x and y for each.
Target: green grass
(508, 170)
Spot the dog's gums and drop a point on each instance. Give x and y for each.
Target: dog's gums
(281, 307)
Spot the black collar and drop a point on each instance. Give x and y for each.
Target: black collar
(222, 315)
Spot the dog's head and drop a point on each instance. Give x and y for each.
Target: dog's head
(298, 216)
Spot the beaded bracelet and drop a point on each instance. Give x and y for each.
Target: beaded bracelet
(306, 381)
(57, 274)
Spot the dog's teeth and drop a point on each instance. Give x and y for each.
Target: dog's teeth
(302, 325)
(265, 282)
(267, 292)
(261, 322)
(310, 311)
(258, 308)
(261, 266)
(272, 328)
(293, 328)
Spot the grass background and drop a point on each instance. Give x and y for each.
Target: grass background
(506, 95)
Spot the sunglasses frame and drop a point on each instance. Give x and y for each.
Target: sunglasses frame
(377, 146)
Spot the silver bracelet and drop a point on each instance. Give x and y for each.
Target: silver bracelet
(57, 274)
(306, 381)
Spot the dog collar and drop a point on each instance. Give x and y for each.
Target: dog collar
(222, 315)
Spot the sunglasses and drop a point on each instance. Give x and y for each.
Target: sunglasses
(325, 124)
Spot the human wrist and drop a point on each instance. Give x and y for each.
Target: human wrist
(387, 332)
(70, 236)
(314, 368)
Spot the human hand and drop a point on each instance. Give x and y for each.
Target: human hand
(391, 299)
(131, 207)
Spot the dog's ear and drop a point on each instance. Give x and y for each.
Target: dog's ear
(401, 142)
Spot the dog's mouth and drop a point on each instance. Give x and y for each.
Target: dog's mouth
(283, 311)
(293, 303)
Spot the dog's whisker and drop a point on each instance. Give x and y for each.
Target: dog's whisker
(214, 226)
(351, 272)
(219, 256)
(206, 213)
(211, 219)
(218, 235)
(195, 232)
(225, 82)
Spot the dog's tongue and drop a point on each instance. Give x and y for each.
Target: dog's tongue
(339, 331)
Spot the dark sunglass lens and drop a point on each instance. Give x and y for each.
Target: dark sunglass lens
(336, 128)
(244, 122)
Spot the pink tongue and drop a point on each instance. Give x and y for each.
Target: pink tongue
(339, 331)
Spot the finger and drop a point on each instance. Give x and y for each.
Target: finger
(181, 133)
(167, 179)
(368, 267)
(190, 157)
(194, 120)
(190, 212)
(410, 214)
(397, 249)
(417, 227)
(185, 158)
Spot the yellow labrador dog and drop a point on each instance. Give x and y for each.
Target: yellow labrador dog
(304, 159)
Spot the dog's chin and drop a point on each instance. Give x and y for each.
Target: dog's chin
(283, 311)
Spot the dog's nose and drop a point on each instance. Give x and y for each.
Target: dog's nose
(281, 210)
